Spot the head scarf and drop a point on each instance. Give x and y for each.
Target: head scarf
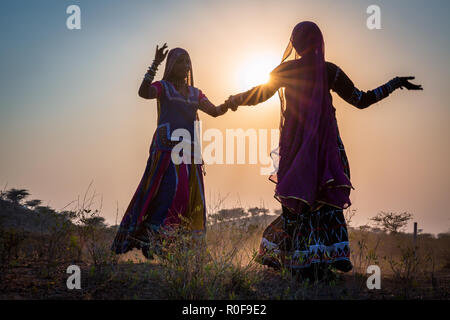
(172, 57)
(310, 170)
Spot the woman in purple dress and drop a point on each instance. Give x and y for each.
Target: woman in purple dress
(313, 175)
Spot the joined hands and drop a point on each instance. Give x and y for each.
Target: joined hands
(233, 102)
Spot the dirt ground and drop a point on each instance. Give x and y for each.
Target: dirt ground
(142, 281)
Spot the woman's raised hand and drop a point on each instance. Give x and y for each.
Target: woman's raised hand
(403, 82)
(160, 54)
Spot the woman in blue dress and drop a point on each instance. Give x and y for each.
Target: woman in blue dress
(169, 192)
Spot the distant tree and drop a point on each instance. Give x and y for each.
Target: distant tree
(256, 211)
(97, 221)
(231, 213)
(33, 203)
(444, 235)
(16, 195)
(426, 236)
(391, 221)
(45, 210)
(376, 230)
(70, 215)
(214, 217)
(364, 227)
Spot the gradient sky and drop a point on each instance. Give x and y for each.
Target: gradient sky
(70, 113)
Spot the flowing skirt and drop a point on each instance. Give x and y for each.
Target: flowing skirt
(297, 242)
(167, 194)
(310, 239)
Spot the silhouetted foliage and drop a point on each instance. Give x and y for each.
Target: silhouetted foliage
(33, 203)
(364, 227)
(256, 211)
(232, 213)
(45, 210)
(16, 195)
(69, 214)
(376, 230)
(44, 241)
(444, 235)
(391, 221)
(278, 211)
(97, 221)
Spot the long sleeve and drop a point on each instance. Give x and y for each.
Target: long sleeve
(278, 78)
(150, 90)
(206, 106)
(344, 87)
(258, 94)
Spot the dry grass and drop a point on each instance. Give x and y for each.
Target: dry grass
(220, 267)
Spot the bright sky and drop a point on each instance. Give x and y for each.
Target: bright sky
(70, 113)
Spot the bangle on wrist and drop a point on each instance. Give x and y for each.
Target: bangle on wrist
(395, 83)
(153, 67)
(155, 64)
(149, 77)
(151, 70)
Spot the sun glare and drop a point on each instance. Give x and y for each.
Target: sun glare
(256, 71)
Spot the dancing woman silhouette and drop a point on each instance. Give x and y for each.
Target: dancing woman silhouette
(169, 193)
(313, 178)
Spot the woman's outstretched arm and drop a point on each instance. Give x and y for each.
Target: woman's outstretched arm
(259, 93)
(208, 107)
(344, 87)
(147, 90)
(253, 96)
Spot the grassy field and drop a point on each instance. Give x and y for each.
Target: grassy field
(37, 244)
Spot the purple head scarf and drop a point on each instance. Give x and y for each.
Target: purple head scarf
(310, 170)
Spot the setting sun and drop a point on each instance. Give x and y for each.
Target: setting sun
(256, 70)
(161, 151)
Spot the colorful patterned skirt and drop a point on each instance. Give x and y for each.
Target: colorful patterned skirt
(298, 242)
(310, 239)
(167, 194)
